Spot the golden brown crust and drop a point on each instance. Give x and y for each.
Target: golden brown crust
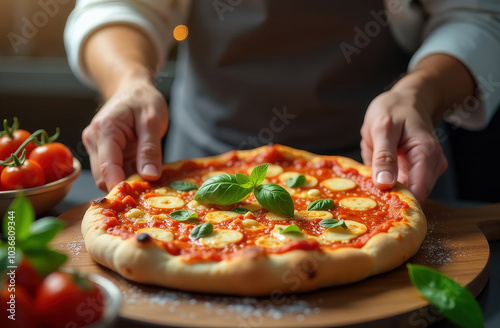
(253, 272)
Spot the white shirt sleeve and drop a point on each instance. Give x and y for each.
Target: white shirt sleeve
(156, 19)
(468, 30)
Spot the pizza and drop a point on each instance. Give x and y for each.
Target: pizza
(254, 222)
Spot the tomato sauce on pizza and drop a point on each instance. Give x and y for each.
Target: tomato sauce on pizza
(144, 210)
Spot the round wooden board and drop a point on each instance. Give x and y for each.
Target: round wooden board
(455, 245)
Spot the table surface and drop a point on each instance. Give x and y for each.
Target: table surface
(84, 189)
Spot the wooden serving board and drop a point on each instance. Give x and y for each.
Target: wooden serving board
(456, 244)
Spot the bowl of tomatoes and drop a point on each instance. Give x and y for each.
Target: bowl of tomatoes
(46, 196)
(35, 165)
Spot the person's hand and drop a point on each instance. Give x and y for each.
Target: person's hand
(125, 135)
(399, 143)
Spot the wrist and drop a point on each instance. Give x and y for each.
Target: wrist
(135, 74)
(426, 91)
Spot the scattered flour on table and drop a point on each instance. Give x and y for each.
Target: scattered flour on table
(73, 249)
(245, 308)
(435, 249)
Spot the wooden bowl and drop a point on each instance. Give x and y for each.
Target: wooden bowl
(45, 197)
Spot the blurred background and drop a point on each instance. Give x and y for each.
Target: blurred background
(37, 86)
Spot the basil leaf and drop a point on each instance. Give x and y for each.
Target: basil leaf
(258, 174)
(221, 189)
(240, 210)
(274, 198)
(452, 300)
(5, 261)
(243, 180)
(42, 231)
(45, 260)
(19, 217)
(320, 204)
(332, 223)
(296, 181)
(291, 228)
(183, 215)
(202, 230)
(183, 185)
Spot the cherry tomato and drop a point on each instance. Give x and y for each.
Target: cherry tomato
(27, 175)
(9, 145)
(55, 159)
(17, 303)
(65, 298)
(28, 277)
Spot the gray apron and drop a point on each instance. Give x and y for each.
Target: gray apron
(298, 73)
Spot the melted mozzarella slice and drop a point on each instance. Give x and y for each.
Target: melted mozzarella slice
(339, 184)
(157, 233)
(310, 180)
(211, 174)
(272, 170)
(252, 207)
(166, 191)
(287, 236)
(165, 202)
(354, 229)
(269, 242)
(276, 217)
(195, 206)
(136, 215)
(313, 215)
(358, 203)
(222, 238)
(251, 224)
(313, 193)
(220, 216)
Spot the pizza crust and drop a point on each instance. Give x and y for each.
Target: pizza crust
(253, 272)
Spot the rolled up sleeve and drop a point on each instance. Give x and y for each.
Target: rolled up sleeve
(155, 19)
(470, 32)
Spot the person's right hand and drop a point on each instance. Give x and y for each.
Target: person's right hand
(125, 135)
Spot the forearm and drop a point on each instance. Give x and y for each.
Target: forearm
(116, 54)
(439, 82)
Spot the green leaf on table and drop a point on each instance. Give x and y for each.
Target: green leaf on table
(183, 185)
(332, 223)
(183, 215)
(293, 228)
(202, 230)
(296, 181)
(18, 218)
(321, 204)
(221, 189)
(450, 298)
(258, 174)
(275, 198)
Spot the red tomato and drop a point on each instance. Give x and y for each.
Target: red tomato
(1, 169)
(65, 298)
(16, 303)
(9, 145)
(28, 277)
(55, 159)
(28, 175)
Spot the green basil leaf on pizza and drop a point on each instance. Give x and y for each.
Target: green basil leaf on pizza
(320, 205)
(222, 189)
(202, 230)
(183, 185)
(274, 198)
